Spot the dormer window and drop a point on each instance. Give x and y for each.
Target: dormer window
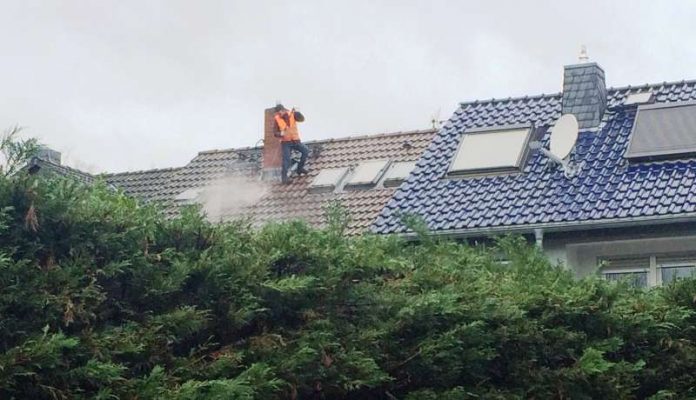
(491, 151)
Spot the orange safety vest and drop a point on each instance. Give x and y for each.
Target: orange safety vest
(288, 126)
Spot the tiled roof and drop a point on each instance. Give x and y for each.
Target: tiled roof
(148, 185)
(163, 185)
(37, 164)
(282, 202)
(608, 189)
(277, 202)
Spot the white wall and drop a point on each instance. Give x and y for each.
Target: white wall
(581, 252)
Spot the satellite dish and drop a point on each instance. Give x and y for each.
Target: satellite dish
(564, 135)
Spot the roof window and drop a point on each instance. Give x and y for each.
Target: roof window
(328, 179)
(189, 196)
(663, 131)
(490, 151)
(368, 173)
(638, 98)
(398, 172)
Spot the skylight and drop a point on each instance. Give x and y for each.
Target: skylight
(368, 173)
(328, 179)
(189, 195)
(638, 98)
(664, 130)
(485, 151)
(398, 172)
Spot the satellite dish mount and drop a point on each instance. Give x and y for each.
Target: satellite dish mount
(564, 134)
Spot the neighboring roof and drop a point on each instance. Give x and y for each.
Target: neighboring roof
(209, 166)
(276, 201)
(163, 185)
(283, 202)
(149, 185)
(608, 189)
(39, 165)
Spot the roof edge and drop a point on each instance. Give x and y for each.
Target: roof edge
(559, 94)
(140, 171)
(564, 226)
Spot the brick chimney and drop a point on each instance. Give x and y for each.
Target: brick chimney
(272, 153)
(584, 93)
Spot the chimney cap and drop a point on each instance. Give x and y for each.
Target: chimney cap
(586, 65)
(583, 57)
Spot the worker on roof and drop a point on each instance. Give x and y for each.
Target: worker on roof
(290, 138)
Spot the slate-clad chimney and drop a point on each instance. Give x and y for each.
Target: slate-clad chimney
(584, 93)
(272, 153)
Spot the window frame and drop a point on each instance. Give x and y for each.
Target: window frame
(389, 180)
(521, 157)
(634, 99)
(657, 154)
(349, 184)
(657, 261)
(188, 198)
(342, 172)
(674, 264)
(627, 271)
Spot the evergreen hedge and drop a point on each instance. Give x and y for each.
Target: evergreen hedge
(103, 298)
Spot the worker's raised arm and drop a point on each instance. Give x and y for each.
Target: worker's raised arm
(282, 125)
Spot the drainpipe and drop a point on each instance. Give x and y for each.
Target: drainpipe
(539, 237)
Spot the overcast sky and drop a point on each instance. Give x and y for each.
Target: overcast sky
(121, 84)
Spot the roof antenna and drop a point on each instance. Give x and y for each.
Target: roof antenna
(435, 119)
(583, 58)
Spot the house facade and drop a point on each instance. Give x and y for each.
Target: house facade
(627, 210)
(621, 203)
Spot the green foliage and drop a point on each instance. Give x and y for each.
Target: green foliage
(104, 298)
(15, 151)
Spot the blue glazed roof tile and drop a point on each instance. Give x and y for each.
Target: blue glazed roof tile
(607, 186)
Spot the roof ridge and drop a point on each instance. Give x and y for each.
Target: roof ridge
(227, 150)
(664, 83)
(550, 95)
(515, 98)
(373, 135)
(140, 171)
(327, 140)
(62, 166)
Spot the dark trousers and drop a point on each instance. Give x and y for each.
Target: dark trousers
(288, 147)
